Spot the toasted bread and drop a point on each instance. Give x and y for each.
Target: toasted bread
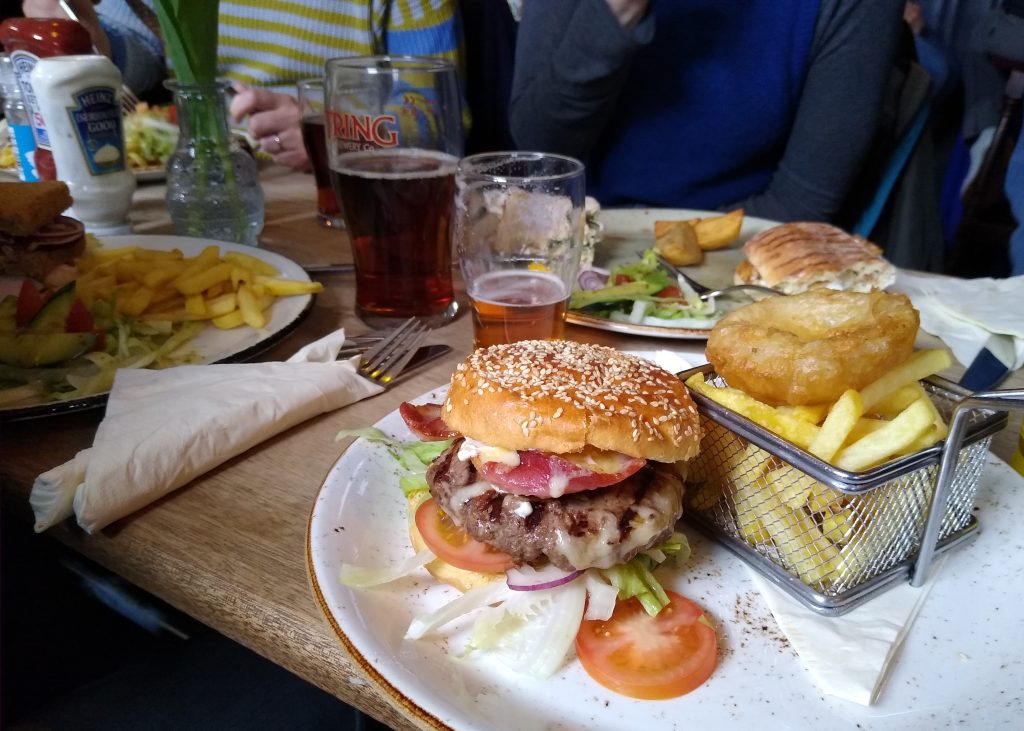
(27, 207)
(796, 257)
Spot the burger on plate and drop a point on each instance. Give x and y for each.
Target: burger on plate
(36, 240)
(565, 457)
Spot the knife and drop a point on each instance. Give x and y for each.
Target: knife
(988, 369)
(423, 355)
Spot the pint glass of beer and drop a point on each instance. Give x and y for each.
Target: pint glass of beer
(394, 136)
(518, 229)
(311, 105)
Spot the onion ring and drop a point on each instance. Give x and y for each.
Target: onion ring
(808, 348)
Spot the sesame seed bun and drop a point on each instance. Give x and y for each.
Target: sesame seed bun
(560, 396)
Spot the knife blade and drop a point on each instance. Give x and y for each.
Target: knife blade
(423, 355)
(988, 370)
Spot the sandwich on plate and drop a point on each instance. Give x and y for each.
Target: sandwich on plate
(554, 489)
(797, 257)
(36, 240)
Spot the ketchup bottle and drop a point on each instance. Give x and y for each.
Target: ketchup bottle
(27, 40)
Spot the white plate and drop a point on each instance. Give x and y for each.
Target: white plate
(628, 232)
(211, 345)
(960, 663)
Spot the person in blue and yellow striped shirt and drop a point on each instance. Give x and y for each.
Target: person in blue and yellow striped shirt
(265, 46)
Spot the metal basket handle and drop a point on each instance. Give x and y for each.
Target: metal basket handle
(1009, 400)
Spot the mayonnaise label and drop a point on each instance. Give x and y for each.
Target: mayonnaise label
(96, 120)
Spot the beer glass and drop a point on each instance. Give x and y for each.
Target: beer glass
(394, 136)
(311, 105)
(518, 229)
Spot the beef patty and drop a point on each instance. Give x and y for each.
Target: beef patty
(596, 528)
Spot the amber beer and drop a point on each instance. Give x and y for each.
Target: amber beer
(518, 305)
(316, 147)
(397, 205)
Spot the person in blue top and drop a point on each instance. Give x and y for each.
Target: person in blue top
(769, 105)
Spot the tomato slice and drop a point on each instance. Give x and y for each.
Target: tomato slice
(79, 318)
(640, 656)
(669, 291)
(540, 474)
(424, 420)
(29, 302)
(622, 279)
(453, 545)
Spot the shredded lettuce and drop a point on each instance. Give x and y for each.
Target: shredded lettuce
(362, 577)
(414, 456)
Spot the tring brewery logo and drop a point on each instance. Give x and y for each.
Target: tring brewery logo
(362, 131)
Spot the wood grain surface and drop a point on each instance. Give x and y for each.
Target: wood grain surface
(229, 549)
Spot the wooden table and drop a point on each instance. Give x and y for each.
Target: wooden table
(229, 549)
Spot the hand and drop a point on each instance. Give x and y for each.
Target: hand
(914, 17)
(274, 121)
(628, 12)
(83, 10)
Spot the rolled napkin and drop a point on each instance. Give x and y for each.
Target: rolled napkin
(966, 313)
(849, 656)
(164, 428)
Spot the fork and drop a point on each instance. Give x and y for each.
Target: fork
(128, 99)
(706, 293)
(384, 361)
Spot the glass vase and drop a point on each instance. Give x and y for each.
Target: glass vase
(213, 189)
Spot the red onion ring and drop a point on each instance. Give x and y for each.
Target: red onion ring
(527, 578)
(592, 279)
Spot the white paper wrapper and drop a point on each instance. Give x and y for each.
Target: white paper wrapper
(849, 656)
(164, 428)
(965, 313)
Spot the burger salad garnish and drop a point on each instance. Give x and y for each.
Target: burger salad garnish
(553, 489)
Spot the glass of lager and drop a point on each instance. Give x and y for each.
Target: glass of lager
(394, 136)
(518, 230)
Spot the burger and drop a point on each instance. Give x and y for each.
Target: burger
(565, 456)
(35, 238)
(797, 257)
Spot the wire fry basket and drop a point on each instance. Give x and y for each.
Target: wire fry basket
(829, 537)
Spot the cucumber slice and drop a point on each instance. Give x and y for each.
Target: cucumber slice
(53, 315)
(8, 312)
(29, 349)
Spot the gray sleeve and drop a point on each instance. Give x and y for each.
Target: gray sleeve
(854, 49)
(572, 57)
(136, 51)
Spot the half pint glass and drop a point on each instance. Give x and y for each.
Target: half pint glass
(394, 134)
(518, 228)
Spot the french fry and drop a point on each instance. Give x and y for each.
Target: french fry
(747, 491)
(893, 403)
(229, 321)
(920, 365)
(717, 232)
(198, 281)
(286, 287)
(864, 426)
(788, 427)
(195, 305)
(247, 261)
(837, 425)
(809, 554)
(792, 486)
(249, 306)
(222, 305)
(161, 273)
(811, 414)
(896, 436)
(822, 498)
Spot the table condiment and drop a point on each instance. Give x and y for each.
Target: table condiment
(79, 100)
(19, 124)
(27, 40)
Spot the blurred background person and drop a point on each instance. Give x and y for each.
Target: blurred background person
(770, 106)
(264, 47)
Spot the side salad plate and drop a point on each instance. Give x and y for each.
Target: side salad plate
(627, 234)
(211, 345)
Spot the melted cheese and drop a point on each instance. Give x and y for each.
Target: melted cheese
(523, 509)
(470, 491)
(472, 448)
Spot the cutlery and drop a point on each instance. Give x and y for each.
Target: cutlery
(329, 269)
(385, 361)
(706, 293)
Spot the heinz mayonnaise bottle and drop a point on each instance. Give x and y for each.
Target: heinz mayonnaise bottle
(79, 97)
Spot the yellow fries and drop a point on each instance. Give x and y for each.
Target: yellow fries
(838, 424)
(788, 427)
(920, 365)
(888, 440)
(677, 242)
(165, 286)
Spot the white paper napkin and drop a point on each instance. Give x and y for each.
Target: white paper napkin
(849, 656)
(163, 428)
(965, 313)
